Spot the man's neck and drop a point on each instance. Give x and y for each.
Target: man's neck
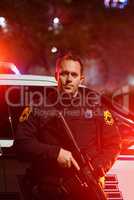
(71, 95)
(75, 94)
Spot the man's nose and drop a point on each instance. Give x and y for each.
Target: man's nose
(69, 78)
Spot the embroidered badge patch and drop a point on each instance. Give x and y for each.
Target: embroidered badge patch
(25, 114)
(108, 118)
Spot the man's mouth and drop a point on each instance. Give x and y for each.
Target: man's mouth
(68, 86)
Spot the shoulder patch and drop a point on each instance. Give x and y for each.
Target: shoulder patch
(25, 114)
(108, 117)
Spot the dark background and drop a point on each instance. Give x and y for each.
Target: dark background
(85, 26)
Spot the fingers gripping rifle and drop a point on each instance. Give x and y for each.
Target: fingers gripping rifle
(86, 173)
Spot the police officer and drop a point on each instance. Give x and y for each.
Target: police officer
(41, 137)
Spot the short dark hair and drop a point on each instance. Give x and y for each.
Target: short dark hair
(69, 56)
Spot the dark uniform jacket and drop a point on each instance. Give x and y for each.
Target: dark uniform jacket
(40, 136)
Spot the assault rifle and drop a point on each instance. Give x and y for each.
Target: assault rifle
(89, 184)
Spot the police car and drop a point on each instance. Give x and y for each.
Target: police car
(14, 94)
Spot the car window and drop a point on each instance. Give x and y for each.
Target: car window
(121, 104)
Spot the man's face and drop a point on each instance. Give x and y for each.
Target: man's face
(69, 76)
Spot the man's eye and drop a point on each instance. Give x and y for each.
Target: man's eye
(74, 74)
(63, 73)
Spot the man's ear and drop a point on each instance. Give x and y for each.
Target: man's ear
(82, 79)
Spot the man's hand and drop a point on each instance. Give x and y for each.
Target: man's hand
(65, 159)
